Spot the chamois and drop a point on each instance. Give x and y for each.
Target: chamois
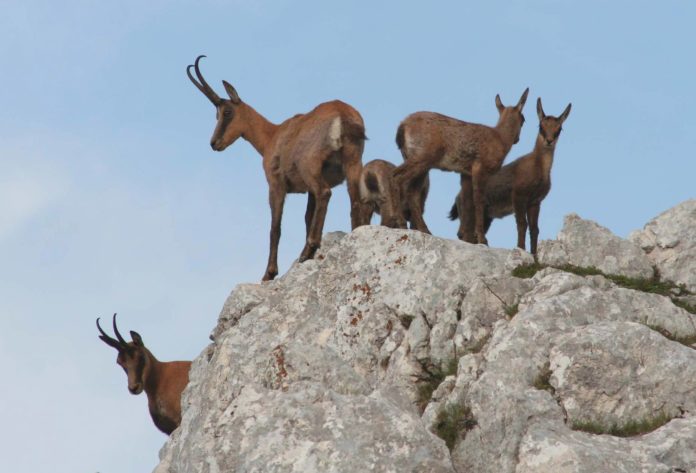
(380, 194)
(308, 153)
(520, 186)
(430, 140)
(163, 382)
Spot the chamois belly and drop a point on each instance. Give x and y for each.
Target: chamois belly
(332, 170)
(457, 161)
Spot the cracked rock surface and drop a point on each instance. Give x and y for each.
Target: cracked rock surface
(323, 369)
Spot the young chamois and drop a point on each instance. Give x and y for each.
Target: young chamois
(308, 153)
(163, 382)
(520, 186)
(430, 140)
(380, 194)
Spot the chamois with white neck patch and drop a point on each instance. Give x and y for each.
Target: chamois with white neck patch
(430, 140)
(163, 382)
(520, 186)
(308, 153)
(381, 194)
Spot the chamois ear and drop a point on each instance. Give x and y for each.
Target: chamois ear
(523, 99)
(565, 113)
(137, 339)
(540, 110)
(234, 97)
(498, 104)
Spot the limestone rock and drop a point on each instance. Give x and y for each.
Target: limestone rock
(585, 243)
(670, 242)
(322, 369)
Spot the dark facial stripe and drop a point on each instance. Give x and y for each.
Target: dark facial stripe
(140, 367)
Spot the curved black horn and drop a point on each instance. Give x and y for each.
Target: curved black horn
(201, 84)
(118, 334)
(112, 342)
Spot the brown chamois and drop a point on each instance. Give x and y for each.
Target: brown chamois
(520, 186)
(430, 140)
(163, 382)
(380, 194)
(308, 153)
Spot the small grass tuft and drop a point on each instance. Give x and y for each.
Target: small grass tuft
(512, 310)
(691, 308)
(431, 379)
(527, 271)
(453, 422)
(631, 428)
(542, 381)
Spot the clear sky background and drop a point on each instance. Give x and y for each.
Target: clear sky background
(111, 199)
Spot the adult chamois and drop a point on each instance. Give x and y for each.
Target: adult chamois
(381, 195)
(520, 186)
(430, 140)
(163, 382)
(308, 153)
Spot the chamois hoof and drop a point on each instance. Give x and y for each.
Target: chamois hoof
(308, 252)
(483, 240)
(269, 275)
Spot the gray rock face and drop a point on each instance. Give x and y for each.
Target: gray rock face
(585, 243)
(322, 369)
(670, 242)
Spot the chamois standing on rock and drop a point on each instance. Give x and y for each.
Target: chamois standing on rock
(430, 140)
(520, 186)
(163, 382)
(308, 153)
(381, 195)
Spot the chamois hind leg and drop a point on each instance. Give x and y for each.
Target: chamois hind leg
(533, 218)
(277, 200)
(360, 214)
(465, 206)
(520, 208)
(479, 179)
(322, 193)
(406, 177)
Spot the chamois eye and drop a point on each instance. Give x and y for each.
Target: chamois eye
(227, 113)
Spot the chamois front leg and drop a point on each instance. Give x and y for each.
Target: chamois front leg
(309, 213)
(533, 218)
(466, 210)
(479, 179)
(277, 200)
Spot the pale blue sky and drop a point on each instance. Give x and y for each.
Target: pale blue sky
(112, 200)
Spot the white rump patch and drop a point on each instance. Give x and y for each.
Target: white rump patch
(409, 142)
(335, 134)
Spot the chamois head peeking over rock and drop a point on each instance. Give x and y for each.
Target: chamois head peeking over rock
(163, 382)
(380, 194)
(520, 186)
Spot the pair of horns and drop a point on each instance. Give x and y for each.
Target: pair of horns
(208, 91)
(201, 84)
(119, 342)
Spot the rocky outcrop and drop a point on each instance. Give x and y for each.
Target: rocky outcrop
(670, 242)
(342, 365)
(585, 243)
